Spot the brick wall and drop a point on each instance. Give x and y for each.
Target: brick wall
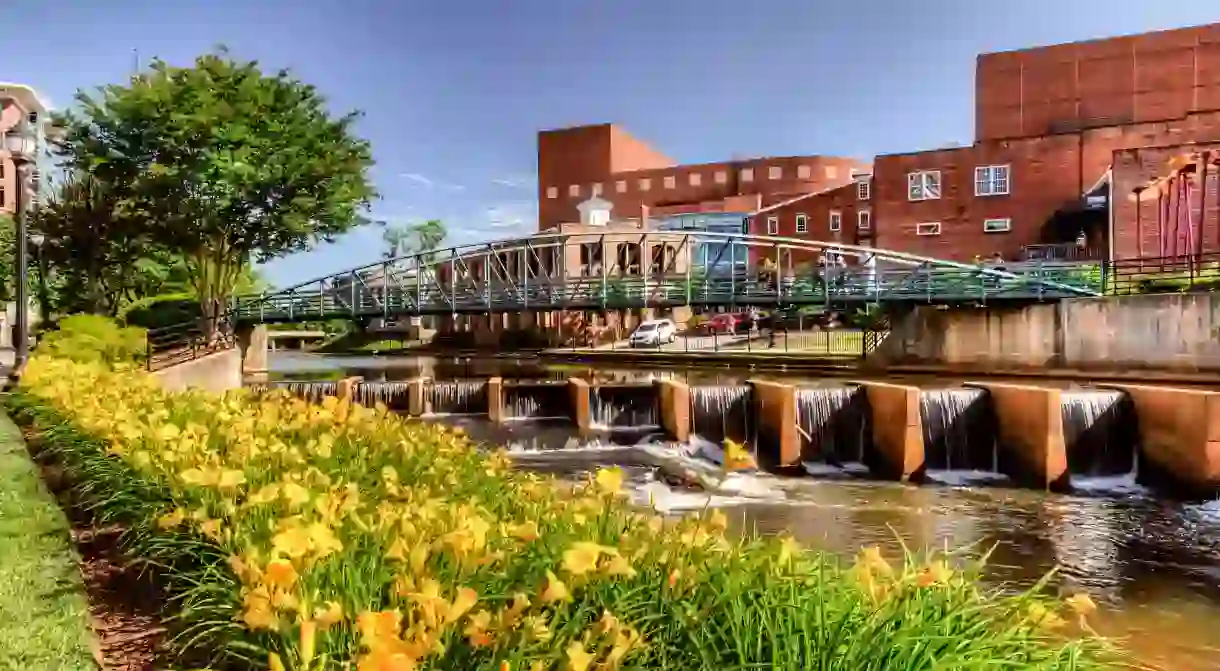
(816, 209)
(1123, 80)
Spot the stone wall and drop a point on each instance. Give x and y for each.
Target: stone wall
(1165, 333)
(216, 372)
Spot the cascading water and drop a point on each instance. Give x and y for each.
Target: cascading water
(834, 423)
(623, 406)
(393, 395)
(537, 400)
(313, 391)
(1100, 432)
(959, 430)
(458, 397)
(721, 411)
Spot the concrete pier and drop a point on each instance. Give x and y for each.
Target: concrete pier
(675, 408)
(578, 393)
(779, 440)
(897, 430)
(495, 399)
(1030, 423)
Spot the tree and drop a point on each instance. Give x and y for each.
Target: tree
(418, 238)
(222, 165)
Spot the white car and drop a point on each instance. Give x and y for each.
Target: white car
(652, 333)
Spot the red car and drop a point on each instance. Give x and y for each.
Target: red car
(727, 322)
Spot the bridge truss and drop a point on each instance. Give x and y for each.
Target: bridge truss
(624, 270)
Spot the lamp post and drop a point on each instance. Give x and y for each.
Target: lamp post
(21, 144)
(44, 299)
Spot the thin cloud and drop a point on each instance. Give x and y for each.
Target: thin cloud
(512, 182)
(428, 182)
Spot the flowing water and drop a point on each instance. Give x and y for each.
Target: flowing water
(1153, 565)
(393, 395)
(457, 397)
(624, 406)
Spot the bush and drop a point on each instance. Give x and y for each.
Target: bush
(162, 311)
(93, 338)
(310, 536)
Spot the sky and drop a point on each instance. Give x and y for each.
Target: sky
(454, 91)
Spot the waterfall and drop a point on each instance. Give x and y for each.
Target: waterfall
(721, 411)
(313, 391)
(537, 401)
(632, 406)
(1100, 432)
(458, 397)
(393, 395)
(959, 430)
(834, 424)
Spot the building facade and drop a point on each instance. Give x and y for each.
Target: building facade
(1050, 123)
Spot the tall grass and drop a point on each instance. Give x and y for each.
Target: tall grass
(307, 537)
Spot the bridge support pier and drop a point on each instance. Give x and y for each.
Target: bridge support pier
(253, 342)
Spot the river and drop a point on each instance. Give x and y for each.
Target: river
(1153, 565)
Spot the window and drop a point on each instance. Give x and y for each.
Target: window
(831, 171)
(864, 220)
(802, 223)
(932, 228)
(802, 172)
(863, 189)
(696, 179)
(836, 220)
(997, 225)
(772, 225)
(597, 189)
(991, 180)
(775, 172)
(32, 117)
(552, 192)
(574, 191)
(670, 181)
(621, 186)
(645, 184)
(747, 174)
(721, 177)
(923, 185)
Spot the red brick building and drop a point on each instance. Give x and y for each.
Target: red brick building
(1050, 123)
(604, 160)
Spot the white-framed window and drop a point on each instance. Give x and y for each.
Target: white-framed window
(721, 177)
(772, 225)
(696, 179)
(929, 228)
(923, 185)
(597, 188)
(747, 174)
(802, 223)
(775, 172)
(803, 172)
(836, 220)
(552, 192)
(670, 181)
(864, 220)
(621, 186)
(574, 191)
(864, 189)
(997, 225)
(645, 184)
(991, 180)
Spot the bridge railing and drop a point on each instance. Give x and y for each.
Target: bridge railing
(826, 285)
(1163, 274)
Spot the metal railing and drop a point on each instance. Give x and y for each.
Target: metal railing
(178, 343)
(1162, 275)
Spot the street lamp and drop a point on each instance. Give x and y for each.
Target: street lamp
(22, 145)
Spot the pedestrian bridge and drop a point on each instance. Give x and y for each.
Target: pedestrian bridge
(616, 270)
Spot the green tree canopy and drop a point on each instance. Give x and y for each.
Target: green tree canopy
(424, 236)
(222, 165)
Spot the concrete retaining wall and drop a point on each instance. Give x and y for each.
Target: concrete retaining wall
(216, 372)
(1167, 333)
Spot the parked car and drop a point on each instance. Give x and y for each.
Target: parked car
(652, 333)
(725, 323)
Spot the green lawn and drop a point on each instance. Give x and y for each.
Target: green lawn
(42, 602)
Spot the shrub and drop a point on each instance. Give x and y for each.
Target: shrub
(93, 338)
(309, 536)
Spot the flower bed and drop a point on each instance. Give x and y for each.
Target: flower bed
(302, 536)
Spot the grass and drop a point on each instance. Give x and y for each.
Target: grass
(314, 536)
(42, 602)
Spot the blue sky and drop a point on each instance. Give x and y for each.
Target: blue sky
(454, 91)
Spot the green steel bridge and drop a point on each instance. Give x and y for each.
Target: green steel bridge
(616, 270)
